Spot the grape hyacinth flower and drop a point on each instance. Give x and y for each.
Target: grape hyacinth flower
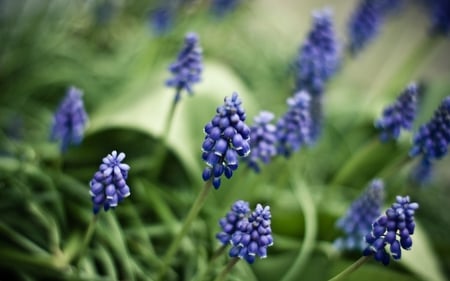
(293, 129)
(187, 69)
(394, 229)
(227, 137)
(220, 8)
(440, 16)
(262, 140)
(358, 220)
(399, 115)
(433, 138)
(319, 56)
(253, 236)
(70, 120)
(364, 25)
(108, 186)
(229, 224)
(161, 20)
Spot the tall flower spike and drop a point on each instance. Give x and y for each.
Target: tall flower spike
(253, 236)
(399, 115)
(70, 120)
(358, 220)
(227, 138)
(319, 56)
(262, 140)
(229, 224)
(293, 129)
(394, 229)
(108, 186)
(364, 25)
(187, 69)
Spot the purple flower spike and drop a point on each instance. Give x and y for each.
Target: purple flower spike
(229, 224)
(262, 140)
(108, 186)
(188, 67)
(399, 115)
(394, 229)
(358, 220)
(294, 128)
(70, 120)
(253, 235)
(227, 139)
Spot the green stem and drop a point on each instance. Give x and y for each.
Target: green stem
(353, 267)
(306, 202)
(217, 253)
(193, 212)
(86, 239)
(226, 270)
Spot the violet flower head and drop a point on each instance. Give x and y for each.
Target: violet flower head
(294, 127)
(220, 8)
(253, 236)
(262, 140)
(70, 120)
(188, 67)
(161, 20)
(319, 56)
(358, 220)
(364, 25)
(394, 229)
(230, 223)
(227, 139)
(399, 115)
(108, 186)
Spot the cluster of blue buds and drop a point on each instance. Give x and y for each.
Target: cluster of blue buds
(433, 138)
(358, 220)
(394, 229)
(319, 56)
(227, 138)
(253, 235)
(70, 120)
(188, 67)
(294, 128)
(399, 115)
(221, 8)
(364, 25)
(230, 223)
(262, 140)
(108, 186)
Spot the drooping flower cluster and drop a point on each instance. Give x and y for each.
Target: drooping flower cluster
(394, 229)
(319, 56)
(433, 138)
(161, 19)
(187, 69)
(364, 25)
(222, 7)
(252, 235)
(227, 138)
(70, 120)
(108, 186)
(230, 223)
(399, 115)
(262, 140)
(294, 127)
(358, 220)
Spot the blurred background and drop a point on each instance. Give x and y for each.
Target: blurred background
(118, 53)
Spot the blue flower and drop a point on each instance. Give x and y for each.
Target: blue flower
(399, 115)
(440, 15)
(70, 120)
(229, 224)
(222, 7)
(161, 20)
(394, 229)
(187, 69)
(319, 56)
(262, 140)
(108, 186)
(227, 138)
(294, 128)
(358, 220)
(253, 236)
(364, 25)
